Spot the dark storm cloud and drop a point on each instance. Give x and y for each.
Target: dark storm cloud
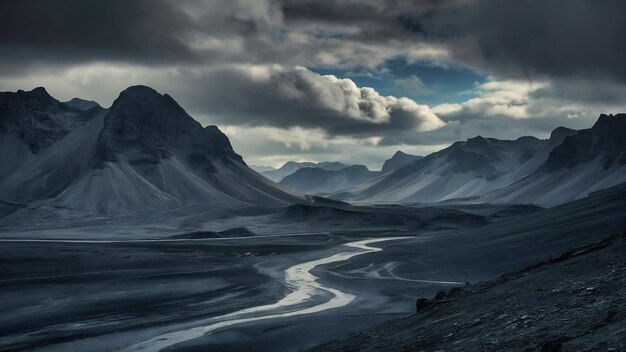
(236, 61)
(75, 31)
(42, 33)
(558, 38)
(518, 38)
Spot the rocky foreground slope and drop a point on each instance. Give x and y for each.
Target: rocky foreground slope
(576, 302)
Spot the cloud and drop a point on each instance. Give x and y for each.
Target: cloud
(241, 64)
(518, 39)
(508, 109)
(527, 100)
(253, 95)
(526, 38)
(286, 97)
(44, 31)
(168, 32)
(275, 146)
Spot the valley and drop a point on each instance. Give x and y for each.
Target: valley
(138, 229)
(225, 293)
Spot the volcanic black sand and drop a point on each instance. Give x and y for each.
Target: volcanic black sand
(575, 302)
(101, 294)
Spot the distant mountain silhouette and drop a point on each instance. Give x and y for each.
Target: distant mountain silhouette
(315, 180)
(292, 166)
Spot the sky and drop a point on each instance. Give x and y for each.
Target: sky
(346, 80)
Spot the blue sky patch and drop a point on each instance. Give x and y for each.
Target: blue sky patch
(399, 78)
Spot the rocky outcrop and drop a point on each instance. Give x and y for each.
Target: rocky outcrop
(37, 119)
(605, 141)
(575, 302)
(398, 160)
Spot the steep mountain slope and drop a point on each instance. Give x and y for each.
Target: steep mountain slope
(145, 152)
(31, 121)
(590, 160)
(465, 169)
(398, 160)
(261, 168)
(292, 166)
(315, 180)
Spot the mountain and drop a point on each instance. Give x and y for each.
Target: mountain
(81, 104)
(567, 166)
(31, 121)
(315, 180)
(261, 168)
(465, 169)
(143, 153)
(292, 166)
(398, 160)
(589, 160)
(329, 177)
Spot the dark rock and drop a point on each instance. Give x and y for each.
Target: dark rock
(551, 346)
(605, 139)
(454, 292)
(422, 303)
(141, 119)
(38, 119)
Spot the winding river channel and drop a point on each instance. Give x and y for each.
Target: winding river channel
(303, 285)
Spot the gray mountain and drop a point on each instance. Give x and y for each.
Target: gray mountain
(587, 161)
(315, 180)
(145, 152)
(330, 177)
(31, 121)
(465, 169)
(398, 160)
(81, 104)
(292, 166)
(567, 166)
(261, 168)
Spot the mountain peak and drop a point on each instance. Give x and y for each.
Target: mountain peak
(561, 132)
(40, 94)
(399, 153)
(149, 127)
(140, 90)
(40, 91)
(604, 142)
(142, 103)
(478, 138)
(398, 160)
(612, 124)
(81, 104)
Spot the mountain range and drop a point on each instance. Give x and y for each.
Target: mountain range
(316, 180)
(324, 178)
(146, 153)
(143, 153)
(291, 167)
(567, 166)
